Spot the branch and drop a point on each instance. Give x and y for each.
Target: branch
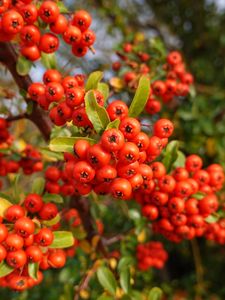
(198, 268)
(9, 57)
(85, 281)
(82, 205)
(15, 118)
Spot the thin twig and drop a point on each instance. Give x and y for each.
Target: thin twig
(198, 268)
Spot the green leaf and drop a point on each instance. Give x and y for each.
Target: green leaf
(93, 80)
(23, 66)
(180, 161)
(38, 186)
(125, 262)
(192, 91)
(65, 144)
(170, 155)
(198, 195)
(126, 297)
(134, 214)
(62, 8)
(105, 297)
(155, 294)
(62, 239)
(33, 269)
(53, 221)
(158, 45)
(96, 113)
(113, 124)
(49, 60)
(5, 269)
(125, 280)
(104, 89)
(30, 106)
(135, 295)
(140, 97)
(23, 93)
(50, 155)
(212, 219)
(5, 196)
(107, 280)
(5, 151)
(79, 233)
(52, 198)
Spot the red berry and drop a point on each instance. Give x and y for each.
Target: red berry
(12, 22)
(117, 110)
(130, 127)
(83, 172)
(48, 11)
(163, 128)
(121, 189)
(33, 203)
(14, 213)
(72, 35)
(34, 254)
(16, 259)
(48, 211)
(24, 227)
(49, 43)
(112, 140)
(31, 52)
(44, 237)
(52, 75)
(60, 25)
(82, 20)
(57, 258)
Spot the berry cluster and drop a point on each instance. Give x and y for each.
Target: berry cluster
(151, 254)
(118, 163)
(174, 83)
(63, 97)
(216, 231)
(24, 19)
(25, 239)
(30, 158)
(173, 201)
(54, 177)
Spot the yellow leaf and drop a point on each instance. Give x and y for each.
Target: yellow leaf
(119, 293)
(210, 146)
(142, 236)
(85, 246)
(93, 256)
(4, 205)
(116, 83)
(19, 128)
(139, 37)
(112, 263)
(95, 241)
(84, 294)
(20, 144)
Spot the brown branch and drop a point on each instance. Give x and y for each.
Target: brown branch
(219, 117)
(114, 239)
(9, 57)
(82, 205)
(85, 281)
(16, 118)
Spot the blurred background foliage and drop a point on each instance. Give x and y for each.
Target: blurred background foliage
(197, 28)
